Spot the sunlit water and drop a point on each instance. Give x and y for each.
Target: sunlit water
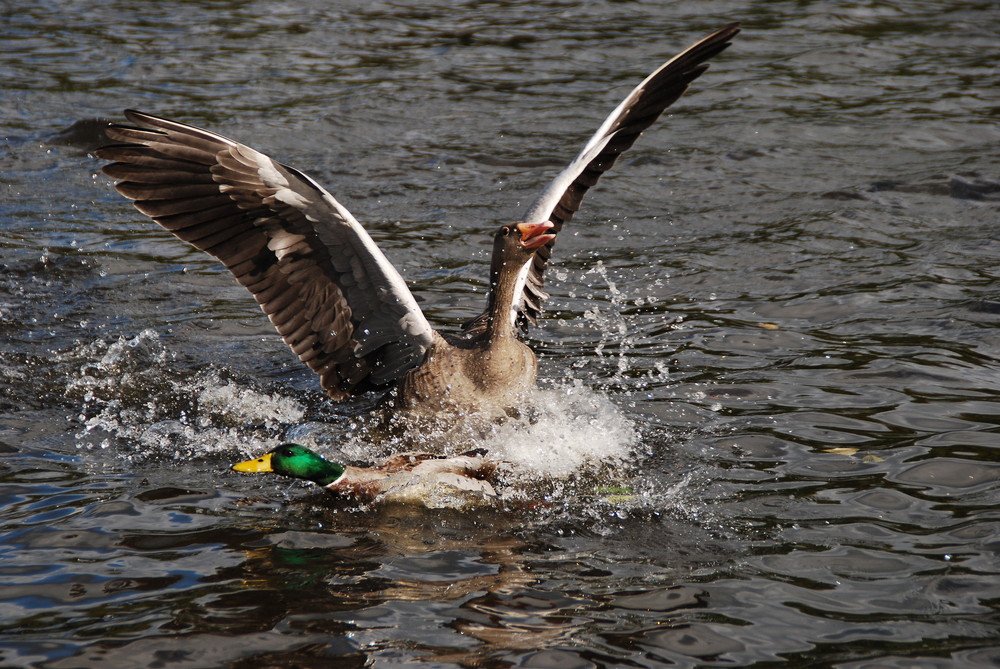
(767, 431)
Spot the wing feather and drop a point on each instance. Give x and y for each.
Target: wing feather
(619, 131)
(324, 284)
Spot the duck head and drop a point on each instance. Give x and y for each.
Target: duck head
(295, 461)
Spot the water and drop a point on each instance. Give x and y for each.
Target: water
(768, 428)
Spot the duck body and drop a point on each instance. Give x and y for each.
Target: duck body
(423, 479)
(459, 481)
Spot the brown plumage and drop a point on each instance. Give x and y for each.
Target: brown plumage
(330, 292)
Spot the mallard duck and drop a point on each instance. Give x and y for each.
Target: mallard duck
(333, 296)
(455, 481)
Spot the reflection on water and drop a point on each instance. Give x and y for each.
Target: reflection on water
(768, 424)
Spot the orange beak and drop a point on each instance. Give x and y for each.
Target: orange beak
(533, 235)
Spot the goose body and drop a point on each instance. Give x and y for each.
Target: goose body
(333, 296)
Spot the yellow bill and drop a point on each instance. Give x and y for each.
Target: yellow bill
(255, 466)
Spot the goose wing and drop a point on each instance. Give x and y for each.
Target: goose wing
(329, 291)
(562, 198)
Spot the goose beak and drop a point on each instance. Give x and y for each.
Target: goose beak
(533, 235)
(259, 465)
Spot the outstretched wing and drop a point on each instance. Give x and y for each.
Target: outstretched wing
(330, 292)
(562, 198)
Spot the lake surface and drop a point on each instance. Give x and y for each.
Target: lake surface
(768, 432)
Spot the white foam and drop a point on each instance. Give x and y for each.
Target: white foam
(242, 405)
(575, 428)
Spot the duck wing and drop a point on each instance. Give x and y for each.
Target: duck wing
(562, 198)
(330, 292)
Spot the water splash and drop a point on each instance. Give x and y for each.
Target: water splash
(132, 397)
(575, 429)
(611, 323)
(562, 431)
(573, 451)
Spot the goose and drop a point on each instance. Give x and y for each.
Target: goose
(331, 293)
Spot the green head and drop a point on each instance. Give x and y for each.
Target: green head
(295, 461)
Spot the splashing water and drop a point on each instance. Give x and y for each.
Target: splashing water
(577, 429)
(131, 392)
(568, 429)
(612, 322)
(573, 447)
(131, 395)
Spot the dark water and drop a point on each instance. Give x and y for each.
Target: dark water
(774, 330)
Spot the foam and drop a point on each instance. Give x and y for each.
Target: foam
(574, 429)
